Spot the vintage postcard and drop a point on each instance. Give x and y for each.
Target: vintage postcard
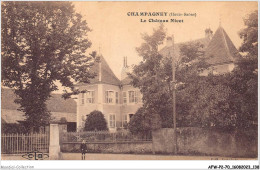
(129, 80)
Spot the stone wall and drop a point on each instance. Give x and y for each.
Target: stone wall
(163, 140)
(119, 147)
(197, 141)
(190, 141)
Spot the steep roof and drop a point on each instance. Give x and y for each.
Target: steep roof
(58, 104)
(107, 75)
(3, 121)
(126, 81)
(55, 104)
(176, 48)
(220, 49)
(165, 50)
(7, 99)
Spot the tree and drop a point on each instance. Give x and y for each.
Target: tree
(95, 121)
(204, 100)
(250, 34)
(201, 100)
(12, 128)
(244, 78)
(189, 71)
(42, 43)
(212, 108)
(146, 76)
(224, 101)
(143, 123)
(154, 76)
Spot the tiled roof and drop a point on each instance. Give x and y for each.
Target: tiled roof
(55, 104)
(126, 81)
(220, 49)
(58, 104)
(14, 116)
(107, 75)
(7, 99)
(3, 121)
(165, 51)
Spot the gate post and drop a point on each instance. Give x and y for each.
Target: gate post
(54, 148)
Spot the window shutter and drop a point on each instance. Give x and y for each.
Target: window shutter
(82, 98)
(136, 96)
(124, 97)
(93, 96)
(106, 96)
(117, 97)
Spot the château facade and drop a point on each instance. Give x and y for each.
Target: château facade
(118, 100)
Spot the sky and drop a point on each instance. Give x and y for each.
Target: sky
(115, 34)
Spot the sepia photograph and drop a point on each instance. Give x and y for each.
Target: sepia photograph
(129, 80)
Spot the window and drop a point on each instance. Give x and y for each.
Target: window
(83, 98)
(137, 96)
(124, 97)
(130, 116)
(132, 97)
(117, 97)
(124, 120)
(112, 121)
(90, 97)
(109, 96)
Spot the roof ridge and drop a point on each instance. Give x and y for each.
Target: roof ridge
(226, 45)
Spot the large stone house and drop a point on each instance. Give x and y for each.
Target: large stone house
(118, 100)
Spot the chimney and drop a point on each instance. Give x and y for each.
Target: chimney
(99, 69)
(169, 42)
(208, 33)
(125, 69)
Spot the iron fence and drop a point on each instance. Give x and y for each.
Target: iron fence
(23, 143)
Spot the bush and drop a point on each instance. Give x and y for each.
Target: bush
(63, 120)
(143, 122)
(13, 128)
(95, 121)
